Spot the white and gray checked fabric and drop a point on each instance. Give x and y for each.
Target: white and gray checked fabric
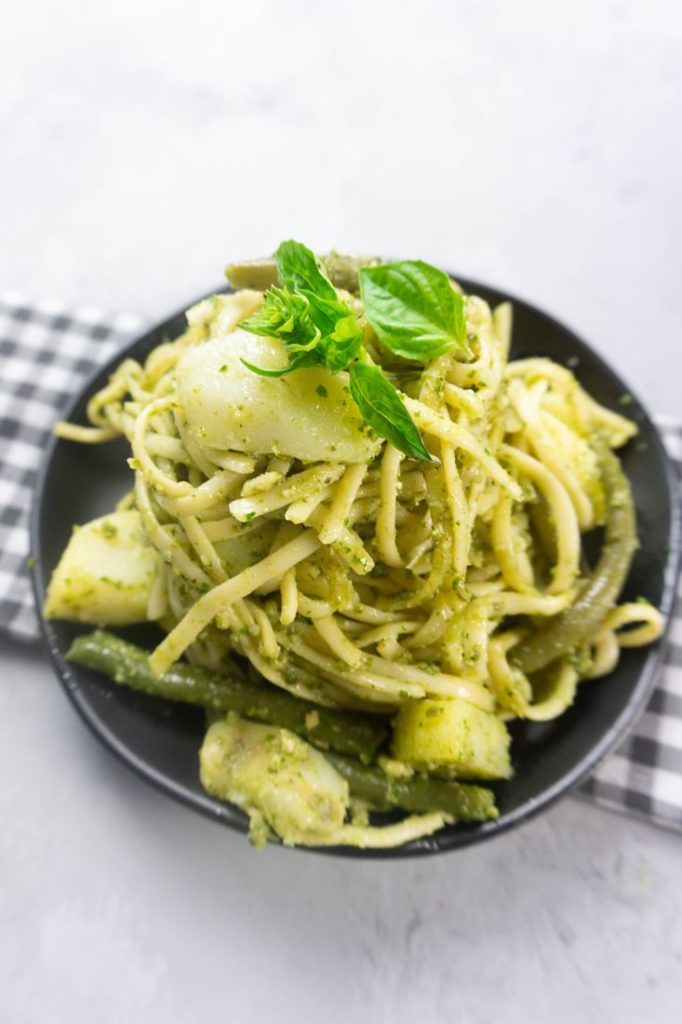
(46, 352)
(644, 776)
(45, 355)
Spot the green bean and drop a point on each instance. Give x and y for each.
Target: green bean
(343, 270)
(570, 630)
(262, 274)
(257, 274)
(128, 664)
(463, 802)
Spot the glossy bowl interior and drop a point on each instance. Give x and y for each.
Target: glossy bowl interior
(160, 740)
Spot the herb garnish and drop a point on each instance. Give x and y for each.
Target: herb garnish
(411, 306)
(315, 328)
(382, 407)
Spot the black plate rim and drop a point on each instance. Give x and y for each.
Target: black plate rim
(448, 841)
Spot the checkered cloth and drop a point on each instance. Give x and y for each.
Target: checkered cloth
(46, 352)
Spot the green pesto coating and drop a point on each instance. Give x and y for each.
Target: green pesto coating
(262, 274)
(417, 795)
(125, 663)
(570, 630)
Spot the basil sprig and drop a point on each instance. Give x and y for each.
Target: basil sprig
(285, 316)
(317, 329)
(413, 309)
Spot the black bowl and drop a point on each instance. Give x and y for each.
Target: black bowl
(160, 740)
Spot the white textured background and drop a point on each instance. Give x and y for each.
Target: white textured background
(143, 144)
(534, 144)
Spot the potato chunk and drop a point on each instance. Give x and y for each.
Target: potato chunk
(452, 736)
(105, 574)
(282, 782)
(308, 415)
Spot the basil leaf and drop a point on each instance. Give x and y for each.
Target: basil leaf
(325, 313)
(299, 269)
(343, 345)
(382, 407)
(413, 309)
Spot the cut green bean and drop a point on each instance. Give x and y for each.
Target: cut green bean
(262, 274)
(343, 270)
(257, 274)
(418, 795)
(128, 665)
(573, 628)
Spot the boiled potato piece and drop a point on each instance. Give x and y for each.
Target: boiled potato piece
(282, 782)
(308, 414)
(454, 736)
(105, 574)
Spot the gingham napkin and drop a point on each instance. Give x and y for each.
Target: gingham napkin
(46, 352)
